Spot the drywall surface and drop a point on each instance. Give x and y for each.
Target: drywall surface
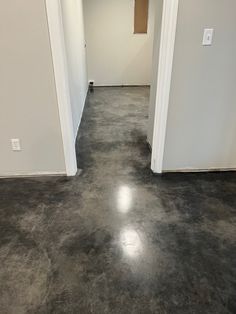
(201, 129)
(73, 21)
(156, 48)
(28, 102)
(117, 56)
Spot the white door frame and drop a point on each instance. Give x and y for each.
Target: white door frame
(56, 32)
(168, 32)
(166, 55)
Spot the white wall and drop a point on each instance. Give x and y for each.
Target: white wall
(201, 128)
(117, 56)
(73, 21)
(156, 48)
(28, 101)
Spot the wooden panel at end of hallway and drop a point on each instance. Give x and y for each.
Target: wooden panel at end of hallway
(141, 16)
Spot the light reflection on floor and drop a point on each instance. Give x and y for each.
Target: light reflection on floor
(131, 242)
(124, 199)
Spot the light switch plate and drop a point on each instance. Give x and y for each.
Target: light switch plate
(15, 144)
(208, 36)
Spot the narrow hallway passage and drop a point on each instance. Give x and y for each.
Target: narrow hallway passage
(113, 133)
(116, 239)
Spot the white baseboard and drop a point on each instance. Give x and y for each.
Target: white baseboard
(77, 130)
(121, 85)
(81, 115)
(194, 170)
(32, 174)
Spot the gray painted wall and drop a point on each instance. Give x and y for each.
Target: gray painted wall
(156, 47)
(73, 22)
(117, 56)
(28, 101)
(201, 128)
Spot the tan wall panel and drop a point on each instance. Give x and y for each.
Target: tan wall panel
(141, 16)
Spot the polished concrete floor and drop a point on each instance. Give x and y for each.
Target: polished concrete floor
(117, 239)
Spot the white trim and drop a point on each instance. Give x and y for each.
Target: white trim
(56, 33)
(193, 170)
(167, 44)
(81, 115)
(78, 126)
(32, 174)
(123, 85)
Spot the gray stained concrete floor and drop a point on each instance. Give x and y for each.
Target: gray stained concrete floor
(116, 238)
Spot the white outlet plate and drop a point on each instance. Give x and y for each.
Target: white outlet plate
(15, 144)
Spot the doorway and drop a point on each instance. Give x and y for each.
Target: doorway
(161, 65)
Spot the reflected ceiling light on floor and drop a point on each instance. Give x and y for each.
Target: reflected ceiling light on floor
(131, 242)
(124, 199)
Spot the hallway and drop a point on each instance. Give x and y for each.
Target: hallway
(116, 239)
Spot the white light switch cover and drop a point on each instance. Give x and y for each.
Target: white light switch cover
(15, 144)
(208, 36)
